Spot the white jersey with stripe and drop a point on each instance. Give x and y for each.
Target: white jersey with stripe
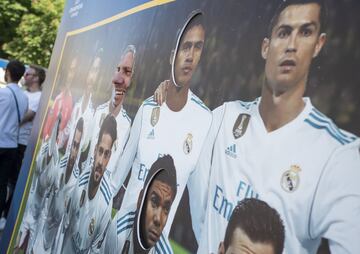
(46, 172)
(123, 124)
(77, 113)
(158, 131)
(33, 206)
(58, 199)
(121, 230)
(307, 170)
(86, 219)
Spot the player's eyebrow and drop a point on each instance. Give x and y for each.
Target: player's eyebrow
(291, 27)
(309, 24)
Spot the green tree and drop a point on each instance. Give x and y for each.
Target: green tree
(36, 33)
(11, 13)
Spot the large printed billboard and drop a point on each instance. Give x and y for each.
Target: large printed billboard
(197, 126)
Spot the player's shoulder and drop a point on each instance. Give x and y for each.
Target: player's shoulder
(105, 187)
(197, 103)
(323, 127)
(84, 178)
(125, 221)
(102, 107)
(125, 115)
(64, 160)
(246, 107)
(150, 102)
(76, 172)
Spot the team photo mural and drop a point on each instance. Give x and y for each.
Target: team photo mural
(196, 127)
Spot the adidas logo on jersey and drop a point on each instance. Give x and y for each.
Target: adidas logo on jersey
(231, 151)
(151, 134)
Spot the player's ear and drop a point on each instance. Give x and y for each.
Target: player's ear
(319, 44)
(265, 47)
(172, 56)
(141, 194)
(221, 249)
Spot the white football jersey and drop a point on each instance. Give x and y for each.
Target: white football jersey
(307, 170)
(58, 199)
(123, 124)
(88, 116)
(158, 131)
(121, 229)
(87, 219)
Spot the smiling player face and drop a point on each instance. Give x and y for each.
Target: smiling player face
(122, 78)
(295, 41)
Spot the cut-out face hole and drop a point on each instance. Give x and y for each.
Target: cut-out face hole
(187, 53)
(155, 201)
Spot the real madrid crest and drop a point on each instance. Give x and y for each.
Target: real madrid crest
(82, 198)
(241, 125)
(155, 115)
(290, 179)
(188, 143)
(91, 226)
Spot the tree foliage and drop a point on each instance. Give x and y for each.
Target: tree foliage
(11, 13)
(36, 32)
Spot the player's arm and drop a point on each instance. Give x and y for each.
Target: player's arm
(161, 91)
(66, 132)
(28, 117)
(109, 245)
(336, 206)
(198, 183)
(122, 166)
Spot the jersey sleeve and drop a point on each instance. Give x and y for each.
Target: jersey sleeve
(69, 126)
(199, 179)
(122, 166)
(336, 206)
(109, 245)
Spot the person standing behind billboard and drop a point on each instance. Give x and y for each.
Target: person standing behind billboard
(33, 78)
(281, 149)
(183, 119)
(13, 106)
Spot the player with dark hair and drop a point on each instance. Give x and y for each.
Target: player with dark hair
(44, 176)
(121, 82)
(253, 227)
(13, 106)
(83, 108)
(283, 4)
(89, 208)
(183, 118)
(67, 173)
(281, 149)
(137, 230)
